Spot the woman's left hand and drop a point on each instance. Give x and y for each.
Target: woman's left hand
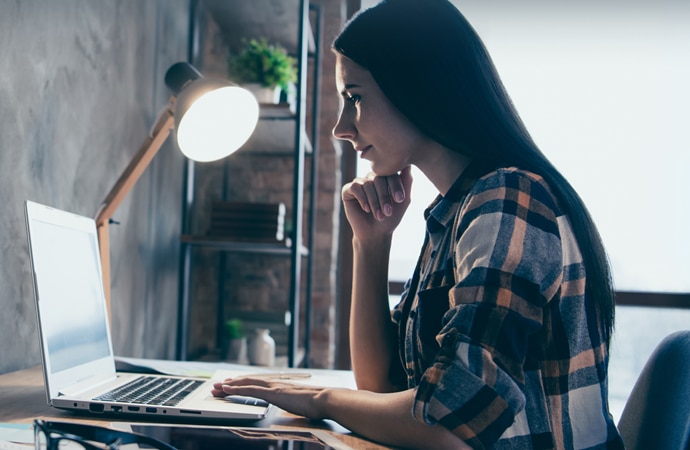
(294, 398)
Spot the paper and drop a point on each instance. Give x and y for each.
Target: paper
(174, 368)
(4, 445)
(20, 433)
(220, 371)
(318, 377)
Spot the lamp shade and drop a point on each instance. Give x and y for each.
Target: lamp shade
(213, 118)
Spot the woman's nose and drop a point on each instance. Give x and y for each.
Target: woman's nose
(343, 128)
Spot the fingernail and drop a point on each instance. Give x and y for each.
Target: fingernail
(387, 209)
(399, 197)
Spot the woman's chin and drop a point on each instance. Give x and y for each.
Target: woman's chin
(383, 171)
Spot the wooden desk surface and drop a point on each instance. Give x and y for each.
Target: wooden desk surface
(23, 399)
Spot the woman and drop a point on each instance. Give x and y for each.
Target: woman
(501, 337)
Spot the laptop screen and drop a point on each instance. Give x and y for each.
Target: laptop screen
(65, 258)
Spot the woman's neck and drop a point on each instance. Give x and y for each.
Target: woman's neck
(442, 166)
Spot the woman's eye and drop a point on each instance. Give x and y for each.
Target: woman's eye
(353, 98)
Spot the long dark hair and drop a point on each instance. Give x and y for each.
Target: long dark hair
(432, 65)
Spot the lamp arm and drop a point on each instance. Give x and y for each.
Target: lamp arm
(141, 160)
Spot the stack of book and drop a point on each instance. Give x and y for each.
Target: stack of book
(250, 222)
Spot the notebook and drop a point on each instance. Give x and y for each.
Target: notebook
(76, 346)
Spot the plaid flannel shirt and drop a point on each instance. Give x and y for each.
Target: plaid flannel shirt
(497, 334)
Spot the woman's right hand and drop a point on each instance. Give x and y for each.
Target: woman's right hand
(374, 205)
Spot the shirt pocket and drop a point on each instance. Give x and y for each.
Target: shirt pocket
(433, 304)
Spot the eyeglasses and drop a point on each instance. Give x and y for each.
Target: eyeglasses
(57, 435)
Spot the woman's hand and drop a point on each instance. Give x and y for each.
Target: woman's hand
(374, 205)
(385, 418)
(295, 398)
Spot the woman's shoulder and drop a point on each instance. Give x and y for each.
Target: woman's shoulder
(508, 181)
(509, 175)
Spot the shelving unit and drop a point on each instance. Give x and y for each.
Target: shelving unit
(298, 31)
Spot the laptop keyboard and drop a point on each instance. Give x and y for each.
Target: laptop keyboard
(158, 391)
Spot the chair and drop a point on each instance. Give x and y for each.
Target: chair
(657, 413)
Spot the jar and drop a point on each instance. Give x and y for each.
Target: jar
(261, 348)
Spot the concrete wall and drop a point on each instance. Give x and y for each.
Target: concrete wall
(81, 84)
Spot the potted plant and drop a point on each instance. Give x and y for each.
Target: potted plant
(236, 341)
(263, 65)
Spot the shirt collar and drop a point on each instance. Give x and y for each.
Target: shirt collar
(443, 209)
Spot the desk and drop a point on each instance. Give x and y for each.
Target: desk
(23, 398)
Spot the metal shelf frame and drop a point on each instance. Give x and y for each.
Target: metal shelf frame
(309, 36)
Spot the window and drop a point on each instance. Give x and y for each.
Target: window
(603, 90)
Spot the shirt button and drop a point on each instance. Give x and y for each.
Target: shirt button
(413, 313)
(448, 339)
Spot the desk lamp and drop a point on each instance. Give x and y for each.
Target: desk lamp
(211, 119)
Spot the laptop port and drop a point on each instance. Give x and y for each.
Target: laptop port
(116, 409)
(151, 410)
(133, 408)
(96, 407)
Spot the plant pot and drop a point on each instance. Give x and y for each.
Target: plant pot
(237, 351)
(264, 94)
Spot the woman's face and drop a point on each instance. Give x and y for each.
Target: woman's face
(376, 129)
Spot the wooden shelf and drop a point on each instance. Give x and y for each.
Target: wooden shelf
(276, 111)
(279, 248)
(275, 133)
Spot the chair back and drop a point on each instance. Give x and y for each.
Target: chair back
(657, 413)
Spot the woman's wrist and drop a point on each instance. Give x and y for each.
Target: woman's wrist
(324, 403)
(372, 255)
(372, 244)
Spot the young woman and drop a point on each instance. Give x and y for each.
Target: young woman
(501, 337)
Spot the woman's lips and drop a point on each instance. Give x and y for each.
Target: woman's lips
(363, 151)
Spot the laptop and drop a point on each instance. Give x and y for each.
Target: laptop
(76, 346)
